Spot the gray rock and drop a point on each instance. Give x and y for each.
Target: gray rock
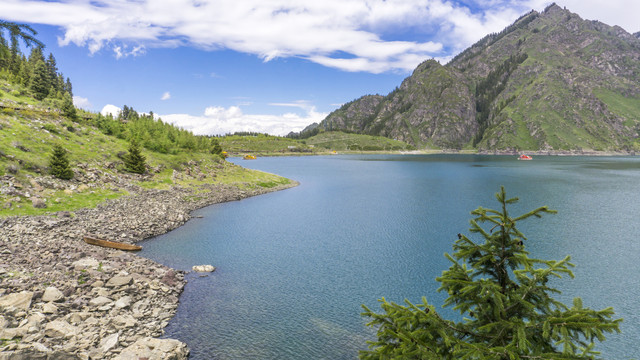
(52, 294)
(109, 342)
(38, 203)
(41, 347)
(11, 333)
(155, 349)
(21, 300)
(86, 263)
(100, 301)
(203, 268)
(119, 281)
(49, 308)
(123, 302)
(60, 329)
(124, 321)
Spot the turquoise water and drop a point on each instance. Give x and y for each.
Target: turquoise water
(293, 267)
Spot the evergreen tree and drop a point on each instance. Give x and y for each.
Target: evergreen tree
(21, 31)
(68, 87)
(52, 72)
(40, 81)
(134, 161)
(215, 147)
(59, 164)
(68, 109)
(36, 56)
(504, 297)
(14, 58)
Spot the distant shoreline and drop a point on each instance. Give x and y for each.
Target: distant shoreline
(452, 152)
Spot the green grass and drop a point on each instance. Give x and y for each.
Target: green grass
(262, 144)
(59, 201)
(249, 179)
(626, 107)
(339, 141)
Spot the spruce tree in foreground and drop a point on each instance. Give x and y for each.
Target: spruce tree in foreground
(134, 161)
(504, 298)
(59, 164)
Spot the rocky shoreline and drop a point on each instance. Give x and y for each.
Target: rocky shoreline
(61, 298)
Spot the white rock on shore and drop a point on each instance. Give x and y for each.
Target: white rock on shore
(203, 268)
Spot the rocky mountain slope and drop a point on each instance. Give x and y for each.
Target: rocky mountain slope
(550, 81)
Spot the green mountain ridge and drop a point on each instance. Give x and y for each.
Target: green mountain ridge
(549, 81)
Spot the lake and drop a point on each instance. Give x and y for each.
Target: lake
(295, 266)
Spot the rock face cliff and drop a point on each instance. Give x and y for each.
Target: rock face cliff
(550, 81)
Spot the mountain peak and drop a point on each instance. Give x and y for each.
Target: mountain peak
(553, 8)
(549, 81)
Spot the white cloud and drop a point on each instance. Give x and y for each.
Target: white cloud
(110, 109)
(218, 120)
(122, 51)
(82, 103)
(166, 96)
(346, 34)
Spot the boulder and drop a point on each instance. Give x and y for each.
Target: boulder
(155, 349)
(60, 329)
(21, 300)
(123, 302)
(124, 321)
(109, 342)
(203, 268)
(119, 281)
(49, 308)
(86, 263)
(100, 301)
(52, 294)
(38, 203)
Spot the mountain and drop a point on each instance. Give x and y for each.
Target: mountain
(549, 81)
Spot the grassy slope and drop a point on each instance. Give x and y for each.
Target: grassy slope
(324, 142)
(261, 144)
(339, 141)
(27, 138)
(532, 121)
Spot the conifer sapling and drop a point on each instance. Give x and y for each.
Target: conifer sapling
(504, 298)
(134, 161)
(59, 164)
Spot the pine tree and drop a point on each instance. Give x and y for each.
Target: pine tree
(52, 72)
(134, 161)
(68, 87)
(68, 109)
(40, 81)
(216, 149)
(504, 298)
(59, 164)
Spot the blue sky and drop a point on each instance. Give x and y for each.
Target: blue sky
(219, 66)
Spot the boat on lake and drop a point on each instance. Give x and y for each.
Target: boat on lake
(525, 157)
(249, 157)
(94, 240)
